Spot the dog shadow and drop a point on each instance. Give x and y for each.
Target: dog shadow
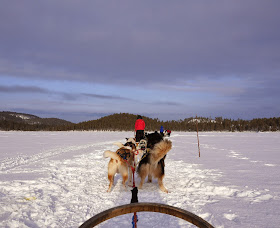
(118, 186)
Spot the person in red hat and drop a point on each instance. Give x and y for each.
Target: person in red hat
(139, 128)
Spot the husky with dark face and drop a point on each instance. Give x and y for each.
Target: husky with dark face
(153, 139)
(152, 164)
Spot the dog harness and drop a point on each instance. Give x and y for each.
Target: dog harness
(124, 155)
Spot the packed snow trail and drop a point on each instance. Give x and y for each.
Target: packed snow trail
(64, 185)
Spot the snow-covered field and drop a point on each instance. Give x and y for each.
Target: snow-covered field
(59, 179)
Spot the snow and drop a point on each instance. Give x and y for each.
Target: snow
(195, 120)
(59, 179)
(24, 117)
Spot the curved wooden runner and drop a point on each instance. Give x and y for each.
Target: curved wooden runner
(152, 207)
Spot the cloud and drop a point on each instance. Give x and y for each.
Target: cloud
(16, 89)
(106, 97)
(139, 42)
(165, 103)
(22, 89)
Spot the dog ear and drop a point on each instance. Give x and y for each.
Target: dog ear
(126, 139)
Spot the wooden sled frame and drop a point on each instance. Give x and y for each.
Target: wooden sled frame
(151, 207)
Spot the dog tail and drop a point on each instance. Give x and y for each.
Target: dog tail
(110, 154)
(122, 146)
(118, 144)
(160, 150)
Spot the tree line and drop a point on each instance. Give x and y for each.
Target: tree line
(126, 121)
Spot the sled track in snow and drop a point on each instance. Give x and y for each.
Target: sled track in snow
(11, 163)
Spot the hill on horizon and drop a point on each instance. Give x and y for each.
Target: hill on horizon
(28, 119)
(126, 122)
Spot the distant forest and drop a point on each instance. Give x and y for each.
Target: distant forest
(126, 121)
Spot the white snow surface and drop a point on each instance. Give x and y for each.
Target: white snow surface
(59, 179)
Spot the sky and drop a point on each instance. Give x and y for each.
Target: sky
(81, 60)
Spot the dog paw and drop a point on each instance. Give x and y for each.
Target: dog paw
(164, 190)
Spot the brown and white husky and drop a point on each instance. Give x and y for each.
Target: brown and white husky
(120, 162)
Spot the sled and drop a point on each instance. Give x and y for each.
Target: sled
(150, 207)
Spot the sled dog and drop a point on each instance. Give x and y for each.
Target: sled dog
(120, 162)
(138, 150)
(152, 164)
(153, 138)
(141, 148)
